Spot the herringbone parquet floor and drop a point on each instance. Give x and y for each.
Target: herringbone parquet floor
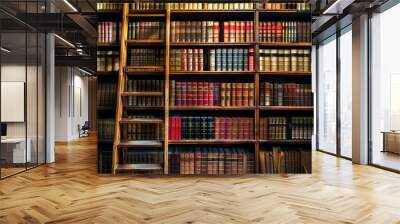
(70, 191)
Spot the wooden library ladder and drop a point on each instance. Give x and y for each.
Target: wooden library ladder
(121, 145)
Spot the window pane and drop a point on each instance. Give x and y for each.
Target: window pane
(327, 96)
(346, 94)
(385, 84)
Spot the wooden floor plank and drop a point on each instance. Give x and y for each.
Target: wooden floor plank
(70, 191)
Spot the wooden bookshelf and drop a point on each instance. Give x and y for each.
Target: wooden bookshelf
(120, 145)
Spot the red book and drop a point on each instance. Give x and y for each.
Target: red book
(211, 93)
(217, 127)
(251, 129)
(251, 59)
(216, 32)
(226, 31)
(178, 129)
(205, 93)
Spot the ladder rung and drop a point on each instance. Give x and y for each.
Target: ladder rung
(147, 167)
(142, 94)
(141, 121)
(140, 144)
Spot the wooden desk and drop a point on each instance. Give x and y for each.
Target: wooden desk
(13, 150)
(391, 142)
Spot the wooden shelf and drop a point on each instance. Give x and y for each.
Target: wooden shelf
(295, 108)
(210, 141)
(209, 108)
(279, 44)
(283, 73)
(105, 107)
(108, 44)
(110, 11)
(144, 14)
(144, 68)
(286, 142)
(141, 121)
(211, 73)
(137, 108)
(184, 44)
(113, 73)
(142, 94)
(145, 42)
(143, 167)
(127, 144)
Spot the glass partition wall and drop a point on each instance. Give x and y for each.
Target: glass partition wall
(385, 89)
(334, 94)
(22, 77)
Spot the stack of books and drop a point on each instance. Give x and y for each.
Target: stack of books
(187, 60)
(146, 6)
(210, 160)
(211, 94)
(146, 57)
(285, 6)
(231, 59)
(195, 31)
(107, 61)
(137, 85)
(108, 6)
(106, 94)
(285, 94)
(108, 32)
(143, 131)
(146, 30)
(285, 60)
(288, 160)
(105, 129)
(212, 6)
(283, 128)
(238, 31)
(285, 31)
(209, 127)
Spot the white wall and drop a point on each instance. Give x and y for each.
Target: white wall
(71, 102)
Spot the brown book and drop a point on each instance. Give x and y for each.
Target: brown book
(250, 94)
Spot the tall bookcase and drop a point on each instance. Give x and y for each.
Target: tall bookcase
(278, 79)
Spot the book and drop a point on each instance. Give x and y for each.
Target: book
(211, 94)
(284, 6)
(211, 6)
(231, 59)
(284, 128)
(152, 57)
(108, 6)
(210, 127)
(147, 6)
(106, 94)
(149, 30)
(285, 94)
(108, 32)
(278, 160)
(285, 60)
(207, 160)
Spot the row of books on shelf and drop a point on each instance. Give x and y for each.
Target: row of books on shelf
(220, 59)
(146, 30)
(285, 31)
(285, 60)
(146, 6)
(145, 101)
(195, 31)
(231, 59)
(278, 6)
(108, 32)
(210, 160)
(106, 93)
(146, 57)
(285, 128)
(211, 94)
(105, 129)
(210, 127)
(285, 94)
(107, 61)
(211, 6)
(299, 6)
(208, 31)
(145, 85)
(109, 6)
(133, 132)
(277, 160)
